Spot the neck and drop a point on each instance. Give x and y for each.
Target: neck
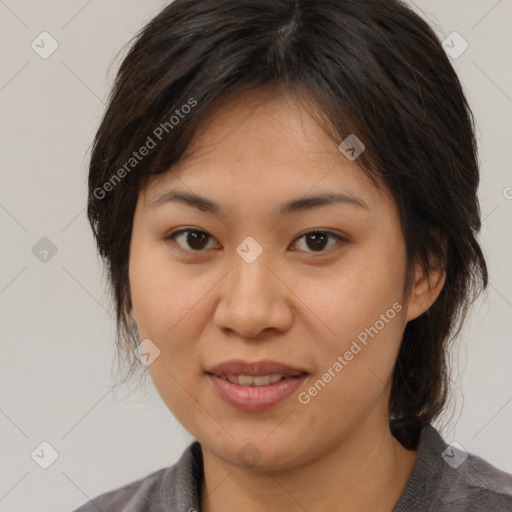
(367, 470)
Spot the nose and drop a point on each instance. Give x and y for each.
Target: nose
(253, 298)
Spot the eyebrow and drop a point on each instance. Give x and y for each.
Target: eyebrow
(294, 205)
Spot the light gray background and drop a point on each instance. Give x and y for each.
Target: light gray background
(57, 332)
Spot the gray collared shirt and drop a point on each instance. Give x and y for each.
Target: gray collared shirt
(444, 479)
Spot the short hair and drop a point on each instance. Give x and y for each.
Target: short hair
(371, 68)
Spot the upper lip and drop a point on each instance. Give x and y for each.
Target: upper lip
(258, 368)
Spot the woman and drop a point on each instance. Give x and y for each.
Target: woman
(285, 195)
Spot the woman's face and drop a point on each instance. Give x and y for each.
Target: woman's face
(248, 284)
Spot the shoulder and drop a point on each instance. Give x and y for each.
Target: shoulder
(164, 489)
(475, 485)
(446, 478)
(134, 496)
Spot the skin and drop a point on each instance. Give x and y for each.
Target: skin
(295, 303)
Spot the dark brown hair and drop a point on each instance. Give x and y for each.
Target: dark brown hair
(372, 68)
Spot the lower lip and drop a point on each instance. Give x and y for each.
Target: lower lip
(255, 398)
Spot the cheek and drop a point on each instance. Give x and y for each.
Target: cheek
(161, 295)
(361, 317)
(354, 292)
(163, 308)
(166, 308)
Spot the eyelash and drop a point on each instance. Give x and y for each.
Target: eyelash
(174, 234)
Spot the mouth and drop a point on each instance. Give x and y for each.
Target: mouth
(255, 386)
(264, 368)
(257, 381)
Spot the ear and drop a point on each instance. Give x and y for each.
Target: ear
(424, 291)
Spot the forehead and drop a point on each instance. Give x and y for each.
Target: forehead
(263, 145)
(262, 119)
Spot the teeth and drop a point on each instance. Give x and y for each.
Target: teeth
(248, 380)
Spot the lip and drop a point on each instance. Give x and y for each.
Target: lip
(255, 398)
(255, 369)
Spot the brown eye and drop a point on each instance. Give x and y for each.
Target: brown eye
(318, 240)
(195, 239)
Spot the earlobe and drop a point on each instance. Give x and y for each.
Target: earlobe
(425, 291)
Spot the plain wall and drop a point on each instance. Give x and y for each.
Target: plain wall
(57, 344)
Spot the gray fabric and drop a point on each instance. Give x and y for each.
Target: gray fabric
(435, 485)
